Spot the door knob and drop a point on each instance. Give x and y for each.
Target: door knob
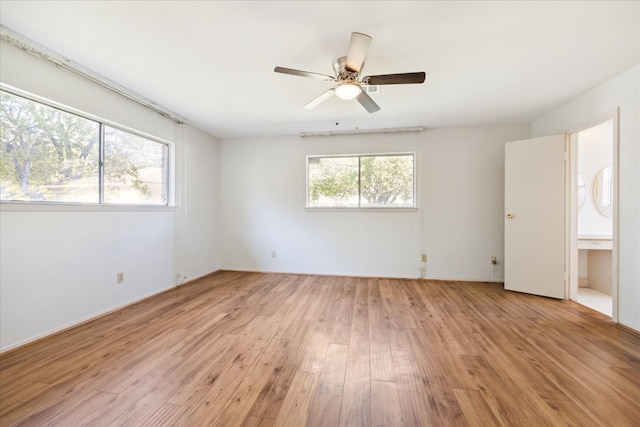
(509, 216)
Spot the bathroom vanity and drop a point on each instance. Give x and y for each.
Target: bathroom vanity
(594, 261)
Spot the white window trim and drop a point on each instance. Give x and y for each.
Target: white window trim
(25, 206)
(363, 209)
(416, 204)
(56, 206)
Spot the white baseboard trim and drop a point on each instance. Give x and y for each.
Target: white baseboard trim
(95, 316)
(81, 321)
(369, 276)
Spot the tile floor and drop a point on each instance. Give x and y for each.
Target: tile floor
(596, 300)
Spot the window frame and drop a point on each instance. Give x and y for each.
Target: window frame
(39, 205)
(413, 208)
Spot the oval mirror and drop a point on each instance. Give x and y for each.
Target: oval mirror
(582, 192)
(603, 191)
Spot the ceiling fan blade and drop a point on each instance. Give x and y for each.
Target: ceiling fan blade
(367, 102)
(304, 74)
(396, 79)
(357, 52)
(319, 99)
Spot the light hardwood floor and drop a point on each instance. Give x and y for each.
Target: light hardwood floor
(249, 349)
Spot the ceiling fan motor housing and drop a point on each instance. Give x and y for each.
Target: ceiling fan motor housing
(342, 74)
(347, 71)
(339, 65)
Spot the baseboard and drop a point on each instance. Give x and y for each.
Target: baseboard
(196, 278)
(53, 332)
(436, 279)
(440, 279)
(241, 270)
(628, 328)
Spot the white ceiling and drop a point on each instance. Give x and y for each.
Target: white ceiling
(212, 61)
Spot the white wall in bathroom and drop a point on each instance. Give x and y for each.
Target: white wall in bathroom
(595, 151)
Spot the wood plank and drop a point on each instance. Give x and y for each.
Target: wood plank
(356, 397)
(254, 349)
(165, 414)
(294, 410)
(267, 403)
(201, 369)
(385, 404)
(324, 409)
(475, 408)
(413, 400)
(380, 358)
(342, 328)
(245, 395)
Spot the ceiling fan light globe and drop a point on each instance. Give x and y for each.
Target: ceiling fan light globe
(348, 91)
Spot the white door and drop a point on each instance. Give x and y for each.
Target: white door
(534, 228)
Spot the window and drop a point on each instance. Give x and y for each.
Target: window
(365, 181)
(51, 155)
(135, 169)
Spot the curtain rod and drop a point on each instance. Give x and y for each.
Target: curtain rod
(40, 51)
(362, 131)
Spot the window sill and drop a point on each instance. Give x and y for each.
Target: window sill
(15, 206)
(398, 210)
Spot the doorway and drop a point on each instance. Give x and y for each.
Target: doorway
(593, 216)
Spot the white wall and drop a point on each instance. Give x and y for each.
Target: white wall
(595, 152)
(621, 92)
(58, 268)
(458, 224)
(197, 241)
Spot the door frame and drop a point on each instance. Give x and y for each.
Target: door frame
(572, 210)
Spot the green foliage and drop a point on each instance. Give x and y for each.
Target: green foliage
(125, 155)
(379, 181)
(49, 154)
(40, 146)
(386, 180)
(333, 181)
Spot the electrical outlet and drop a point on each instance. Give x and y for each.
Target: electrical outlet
(424, 257)
(120, 278)
(494, 260)
(273, 254)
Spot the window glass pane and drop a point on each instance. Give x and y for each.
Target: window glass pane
(373, 181)
(135, 169)
(333, 182)
(386, 181)
(46, 154)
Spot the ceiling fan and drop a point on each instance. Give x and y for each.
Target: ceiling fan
(347, 71)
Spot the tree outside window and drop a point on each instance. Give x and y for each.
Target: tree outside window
(369, 181)
(47, 154)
